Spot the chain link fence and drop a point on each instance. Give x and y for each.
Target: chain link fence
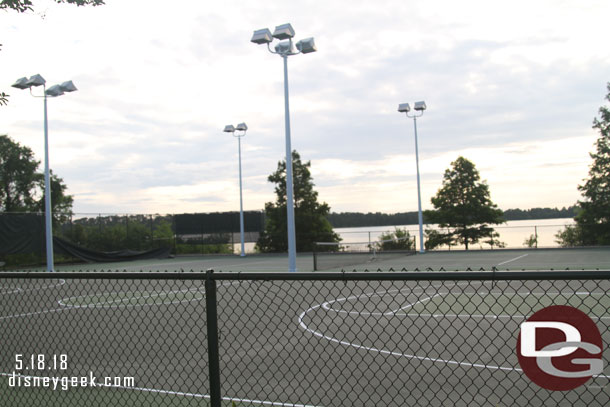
(285, 339)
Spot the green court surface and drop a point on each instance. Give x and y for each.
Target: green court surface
(134, 298)
(103, 397)
(509, 305)
(532, 259)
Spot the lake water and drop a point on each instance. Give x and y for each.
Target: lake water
(513, 233)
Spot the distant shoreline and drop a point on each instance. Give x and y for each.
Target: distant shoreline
(359, 219)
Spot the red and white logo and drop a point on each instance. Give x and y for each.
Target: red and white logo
(560, 348)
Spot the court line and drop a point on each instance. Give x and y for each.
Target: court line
(152, 390)
(179, 393)
(202, 261)
(400, 354)
(511, 260)
(18, 289)
(327, 305)
(116, 303)
(66, 307)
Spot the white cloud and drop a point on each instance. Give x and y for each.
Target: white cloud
(158, 81)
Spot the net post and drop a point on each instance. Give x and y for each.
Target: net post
(315, 256)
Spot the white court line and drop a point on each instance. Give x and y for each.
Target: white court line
(67, 307)
(511, 260)
(151, 390)
(22, 290)
(401, 354)
(181, 393)
(135, 295)
(202, 261)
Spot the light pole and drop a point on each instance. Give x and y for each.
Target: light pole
(419, 107)
(53, 91)
(286, 49)
(241, 128)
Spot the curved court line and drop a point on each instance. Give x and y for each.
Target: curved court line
(326, 305)
(115, 303)
(152, 390)
(402, 354)
(153, 294)
(18, 289)
(68, 307)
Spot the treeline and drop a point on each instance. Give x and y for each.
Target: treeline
(358, 219)
(540, 213)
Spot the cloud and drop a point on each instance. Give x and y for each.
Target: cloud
(508, 89)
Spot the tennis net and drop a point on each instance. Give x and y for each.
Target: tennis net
(337, 255)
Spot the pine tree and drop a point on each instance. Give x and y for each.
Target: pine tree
(463, 205)
(594, 217)
(310, 216)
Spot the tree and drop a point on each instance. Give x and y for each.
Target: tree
(570, 236)
(399, 239)
(61, 204)
(594, 216)
(22, 6)
(464, 206)
(22, 187)
(310, 216)
(3, 96)
(531, 241)
(18, 177)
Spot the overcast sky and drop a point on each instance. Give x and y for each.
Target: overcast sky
(512, 86)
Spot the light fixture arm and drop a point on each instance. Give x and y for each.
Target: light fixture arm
(44, 92)
(414, 115)
(238, 134)
(283, 54)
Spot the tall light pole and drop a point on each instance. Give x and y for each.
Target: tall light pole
(53, 91)
(285, 49)
(419, 107)
(241, 131)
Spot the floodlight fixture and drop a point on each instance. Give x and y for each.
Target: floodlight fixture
(420, 106)
(404, 108)
(21, 83)
(284, 48)
(262, 36)
(241, 129)
(68, 86)
(35, 80)
(306, 46)
(283, 32)
(54, 91)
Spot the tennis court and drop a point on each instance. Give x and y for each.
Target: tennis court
(539, 259)
(299, 342)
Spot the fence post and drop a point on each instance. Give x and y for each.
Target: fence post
(212, 325)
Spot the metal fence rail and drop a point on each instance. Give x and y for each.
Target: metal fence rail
(286, 339)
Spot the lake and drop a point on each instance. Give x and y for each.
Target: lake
(513, 233)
